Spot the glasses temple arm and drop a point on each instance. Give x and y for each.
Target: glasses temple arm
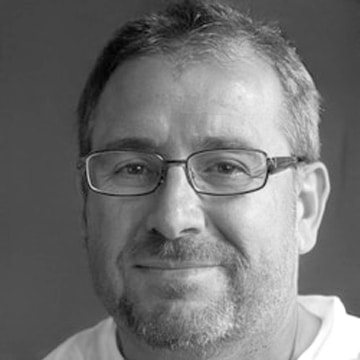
(280, 163)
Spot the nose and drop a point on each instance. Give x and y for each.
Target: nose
(177, 209)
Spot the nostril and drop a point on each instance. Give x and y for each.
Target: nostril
(175, 211)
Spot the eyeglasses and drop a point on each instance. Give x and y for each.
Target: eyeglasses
(218, 172)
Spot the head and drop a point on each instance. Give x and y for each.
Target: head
(204, 29)
(179, 270)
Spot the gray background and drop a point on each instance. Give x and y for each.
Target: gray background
(46, 50)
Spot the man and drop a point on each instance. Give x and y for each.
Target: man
(202, 185)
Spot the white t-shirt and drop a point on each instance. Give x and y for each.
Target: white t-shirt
(338, 338)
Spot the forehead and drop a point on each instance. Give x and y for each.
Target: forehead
(205, 102)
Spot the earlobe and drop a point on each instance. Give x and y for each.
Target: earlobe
(312, 193)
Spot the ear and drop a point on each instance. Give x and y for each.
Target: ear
(313, 190)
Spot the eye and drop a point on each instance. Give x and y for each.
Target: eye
(230, 168)
(134, 169)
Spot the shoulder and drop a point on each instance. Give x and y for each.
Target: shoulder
(94, 343)
(339, 335)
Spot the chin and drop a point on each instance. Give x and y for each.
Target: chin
(175, 322)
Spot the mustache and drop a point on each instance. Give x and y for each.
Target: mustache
(184, 248)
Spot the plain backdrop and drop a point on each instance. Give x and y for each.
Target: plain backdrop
(47, 48)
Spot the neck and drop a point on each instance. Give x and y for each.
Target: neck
(309, 327)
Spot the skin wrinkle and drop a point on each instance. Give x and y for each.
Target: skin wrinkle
(185, 248)
(202, 76)
(239, 309)
(181, 250)
(218, 33)
(226, 53)
(201, 320)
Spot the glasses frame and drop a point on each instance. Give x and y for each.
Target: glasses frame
(273, 166)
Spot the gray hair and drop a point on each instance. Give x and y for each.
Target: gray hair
(194, 29)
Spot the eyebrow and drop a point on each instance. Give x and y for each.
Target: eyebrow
(222, 142)
(205, 143)
(138, 143)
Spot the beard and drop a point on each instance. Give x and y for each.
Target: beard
(182, 328)
(200, 330)
(251, 305)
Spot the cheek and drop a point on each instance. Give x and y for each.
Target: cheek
(111, 223)
(259, 224)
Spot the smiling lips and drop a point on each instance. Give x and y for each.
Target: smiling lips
(173, 266)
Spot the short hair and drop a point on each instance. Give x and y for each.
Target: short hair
(202, 28)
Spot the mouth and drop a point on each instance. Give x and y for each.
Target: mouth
(173, 265)
(178, 280)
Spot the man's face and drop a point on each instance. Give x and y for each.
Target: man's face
(177, 268)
